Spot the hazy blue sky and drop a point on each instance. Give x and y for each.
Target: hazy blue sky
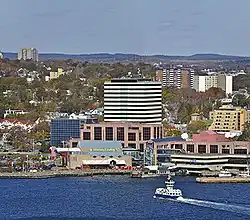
(175, 27)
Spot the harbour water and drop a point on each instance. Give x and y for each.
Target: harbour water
(119, 197)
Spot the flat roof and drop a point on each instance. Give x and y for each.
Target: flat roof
(99, 144)
(168, 139)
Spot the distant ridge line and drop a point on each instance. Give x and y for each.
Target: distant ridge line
(116, 57)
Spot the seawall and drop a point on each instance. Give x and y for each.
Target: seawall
(222, 180)
(65, 173)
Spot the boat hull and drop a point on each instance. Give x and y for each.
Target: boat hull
(166, 196)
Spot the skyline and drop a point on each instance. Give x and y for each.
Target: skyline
(172, 27)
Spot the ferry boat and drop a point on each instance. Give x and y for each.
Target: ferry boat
(168, 192)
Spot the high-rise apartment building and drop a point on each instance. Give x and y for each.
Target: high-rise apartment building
(159, 75)
(133, 100)
(28, 54)
(179, 78)
(225, 82)
(203, 83)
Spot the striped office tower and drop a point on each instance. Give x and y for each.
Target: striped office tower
(133, 100)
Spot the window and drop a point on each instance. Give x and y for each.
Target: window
(240, 151)
(202, 149)
(97, 133)
(131, 136)
(132, 145)
(190, 148)
(74, 144)
(146, 133)
(214, 149)
(109, 133)
(142, 147)
(86, 136)
(225, 151)
(178, 146)
(158, 132)
(154, 132)
(120, 134)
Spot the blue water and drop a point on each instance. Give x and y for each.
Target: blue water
(120, 197)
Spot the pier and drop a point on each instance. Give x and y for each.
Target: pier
(223, 180)
(61, 173)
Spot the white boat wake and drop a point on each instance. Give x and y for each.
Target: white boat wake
(241, 209)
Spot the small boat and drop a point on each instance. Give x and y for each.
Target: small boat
(168, 192)
(245, 174)
(224, 173)
(149, 172)
(144, 174)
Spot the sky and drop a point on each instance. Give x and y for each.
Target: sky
(169, 27)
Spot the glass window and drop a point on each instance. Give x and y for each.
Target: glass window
(120, 134)
(146, 133)
(131, 136)
(190, 148)
(225, 151)
(240, 151)
(97, 133)
(86, 136)
(202, 149)
(154, 132)
(214, 149)
(109, 133)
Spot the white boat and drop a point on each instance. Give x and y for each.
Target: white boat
(168, 192)
(149, 172)
(224, 173)
(245, 174)
(144, 174)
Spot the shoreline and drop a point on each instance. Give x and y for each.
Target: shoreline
(62, 173)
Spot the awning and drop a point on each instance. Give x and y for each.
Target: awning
(103, 162)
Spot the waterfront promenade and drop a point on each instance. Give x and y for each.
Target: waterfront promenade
(61, 173)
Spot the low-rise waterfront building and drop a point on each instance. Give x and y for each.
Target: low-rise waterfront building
(132, 135)
(63, 129)
(95, 154)
(198, 154)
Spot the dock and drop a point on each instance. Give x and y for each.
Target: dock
(223, 180)
(61, 173)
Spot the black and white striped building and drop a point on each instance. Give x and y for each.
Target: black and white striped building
(133, 100)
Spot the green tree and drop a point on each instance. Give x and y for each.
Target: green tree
(197, 126)
(17, 137)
